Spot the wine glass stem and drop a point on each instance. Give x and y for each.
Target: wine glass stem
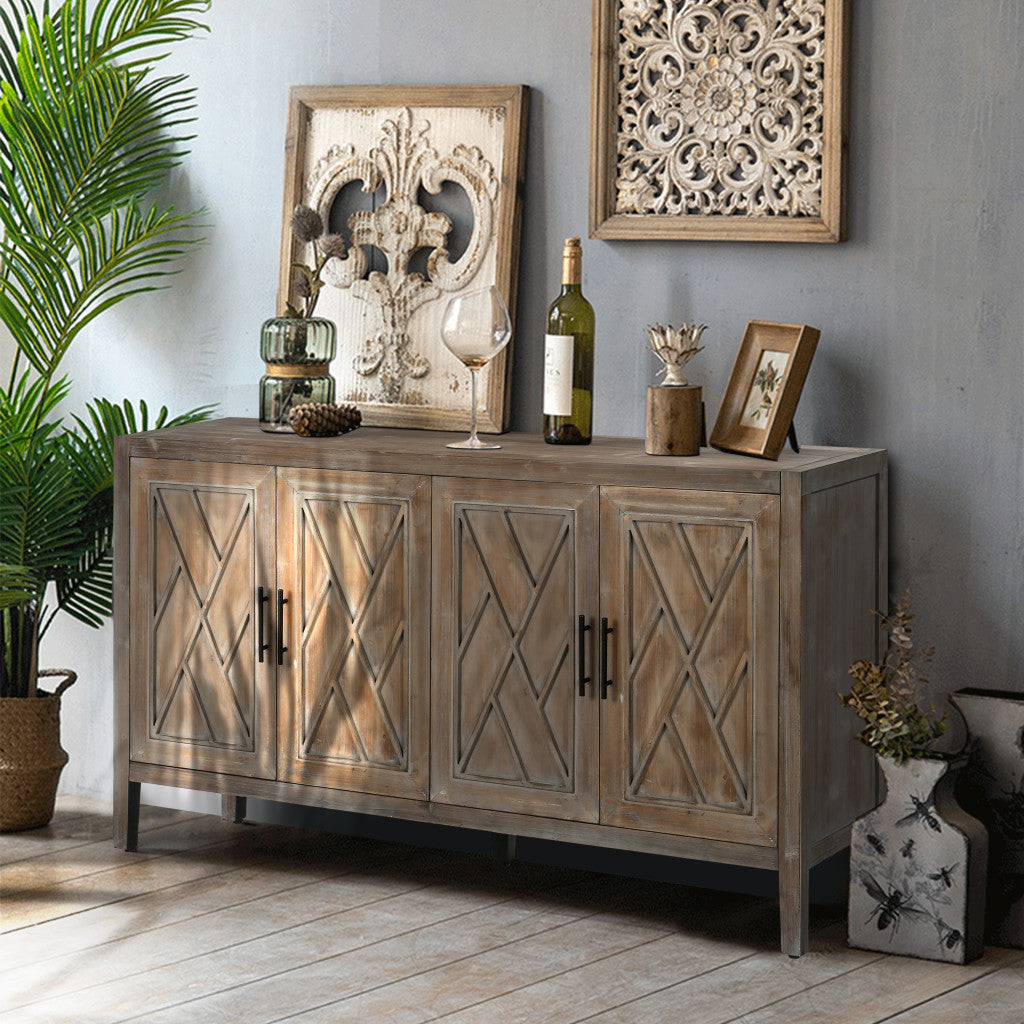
(473, 370)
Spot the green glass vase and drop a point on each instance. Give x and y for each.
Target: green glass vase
(297, 353)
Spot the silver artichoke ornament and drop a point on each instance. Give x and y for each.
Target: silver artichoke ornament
(675, 347)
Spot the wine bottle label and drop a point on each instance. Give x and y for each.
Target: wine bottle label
(558, 374)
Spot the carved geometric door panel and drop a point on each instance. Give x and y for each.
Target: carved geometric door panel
(690, 587)
(510, 731)
(201, 698)
(354, 566)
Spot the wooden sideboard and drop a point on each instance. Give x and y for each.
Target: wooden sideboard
(583, 644)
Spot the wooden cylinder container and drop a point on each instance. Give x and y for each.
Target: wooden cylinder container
(673, 420)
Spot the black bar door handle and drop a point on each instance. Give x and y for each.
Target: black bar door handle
(603, 668)
(261, 600)
(582, 654)
(281, 649)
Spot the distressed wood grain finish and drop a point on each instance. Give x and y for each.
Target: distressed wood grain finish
(407, 142)
(199, 550)
(271, 923)
(712, 120)
(432, 627)
(515, 569)
(354, 560)
(690, 581)
(522, 457)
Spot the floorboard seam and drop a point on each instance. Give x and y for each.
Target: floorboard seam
(549, 977)
(416, 974)
(318, 960)
(171, 924)
(947, 991)
(218, 949)
(663, 988)
(104, 842)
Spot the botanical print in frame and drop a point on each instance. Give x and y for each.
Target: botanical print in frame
(764, 388)
(424, 185)
(719, 119)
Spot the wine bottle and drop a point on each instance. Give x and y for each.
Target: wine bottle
(569, 357)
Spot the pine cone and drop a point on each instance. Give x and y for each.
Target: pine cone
(323, 419)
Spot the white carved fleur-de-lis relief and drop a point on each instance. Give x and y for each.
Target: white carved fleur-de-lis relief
(403, 161)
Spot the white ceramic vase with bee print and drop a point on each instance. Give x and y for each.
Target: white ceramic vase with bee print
(917, 867)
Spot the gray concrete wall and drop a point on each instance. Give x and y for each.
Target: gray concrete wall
(921, 311)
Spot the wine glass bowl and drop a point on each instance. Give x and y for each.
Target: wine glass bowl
(475, 327)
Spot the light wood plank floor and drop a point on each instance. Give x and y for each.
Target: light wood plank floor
(218, 923)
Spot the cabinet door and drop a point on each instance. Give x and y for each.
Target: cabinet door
(689, 734)
(354, 566)
(201, 544)
(514, 567)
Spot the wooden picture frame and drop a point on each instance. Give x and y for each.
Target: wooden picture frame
(764, 388)
(696, 134)
(398, 172)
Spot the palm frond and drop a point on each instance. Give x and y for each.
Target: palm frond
(15, 585)
(86, 591)
(56, 47)
(62, 160)
(41, 509)
(92, 443)
(50, 295)
(85, 133)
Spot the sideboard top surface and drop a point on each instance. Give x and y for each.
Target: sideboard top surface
(619, 460)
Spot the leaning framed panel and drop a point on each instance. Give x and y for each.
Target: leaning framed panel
(764, 388)
(719, 119)
(424, 184)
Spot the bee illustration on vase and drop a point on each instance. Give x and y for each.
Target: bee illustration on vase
(948, 937)
(875, 843)
(921, 810)
(944, 875)
(890, 906)
(907, 849)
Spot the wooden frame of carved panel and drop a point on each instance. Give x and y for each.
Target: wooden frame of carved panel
(715, 120)
(424, 186)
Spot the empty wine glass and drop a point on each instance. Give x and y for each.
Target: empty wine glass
(475, 328)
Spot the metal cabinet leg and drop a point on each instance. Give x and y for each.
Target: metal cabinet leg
(126, 816)
(503, 847)
(232, 808)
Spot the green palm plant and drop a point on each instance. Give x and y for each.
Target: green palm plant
(87, 132)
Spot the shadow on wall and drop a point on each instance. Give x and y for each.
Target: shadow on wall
(932, 530)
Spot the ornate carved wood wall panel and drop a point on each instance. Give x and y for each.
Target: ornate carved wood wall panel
(693, 586)
(509, 726)
(423, 187)
(354, 561)
(718, 119)
(203, 700)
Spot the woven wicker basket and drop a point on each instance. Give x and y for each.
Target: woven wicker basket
(31, 757)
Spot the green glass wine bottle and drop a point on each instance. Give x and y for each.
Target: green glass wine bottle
(569, 357)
